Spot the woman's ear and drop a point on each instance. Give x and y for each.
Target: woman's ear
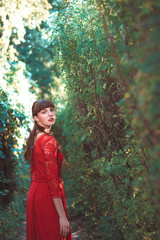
(36, 118)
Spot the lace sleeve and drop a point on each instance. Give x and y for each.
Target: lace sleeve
(50, 156)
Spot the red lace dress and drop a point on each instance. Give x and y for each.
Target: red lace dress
(46, 184)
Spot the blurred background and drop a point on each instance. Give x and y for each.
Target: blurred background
(98, 61)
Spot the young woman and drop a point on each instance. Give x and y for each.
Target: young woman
(46, 211)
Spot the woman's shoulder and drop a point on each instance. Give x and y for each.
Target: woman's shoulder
(45, 138)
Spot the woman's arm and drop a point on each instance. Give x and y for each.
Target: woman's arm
(49, 148)
(63, 221)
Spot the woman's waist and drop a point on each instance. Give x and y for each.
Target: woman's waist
(60, 180)
(44, 179)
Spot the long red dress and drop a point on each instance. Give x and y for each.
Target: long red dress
(46, 183)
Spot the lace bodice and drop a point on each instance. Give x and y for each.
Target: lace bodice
(45, 167)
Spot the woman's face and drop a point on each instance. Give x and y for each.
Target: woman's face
(46, 117)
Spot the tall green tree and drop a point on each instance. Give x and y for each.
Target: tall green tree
(14, 17)
(109, 60)
(36, 54)
(9, 146)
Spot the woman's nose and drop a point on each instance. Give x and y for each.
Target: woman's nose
(51, 113)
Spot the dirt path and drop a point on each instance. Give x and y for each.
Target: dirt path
(78, 232)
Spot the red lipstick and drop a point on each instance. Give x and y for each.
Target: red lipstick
(51, 119)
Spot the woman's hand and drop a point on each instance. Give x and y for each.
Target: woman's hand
(63, 221)
(64, 226)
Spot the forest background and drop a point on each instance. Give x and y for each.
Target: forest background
(99, 62)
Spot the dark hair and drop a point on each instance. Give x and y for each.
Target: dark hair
(36, 108)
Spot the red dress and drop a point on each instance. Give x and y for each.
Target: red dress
(46, 184)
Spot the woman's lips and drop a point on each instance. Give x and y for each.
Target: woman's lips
(51, 120)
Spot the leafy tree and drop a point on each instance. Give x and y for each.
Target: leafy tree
(109, 62)
(9, 146)
(14, 17)
(36, 54)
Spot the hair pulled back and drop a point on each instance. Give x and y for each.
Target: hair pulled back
(37, 106)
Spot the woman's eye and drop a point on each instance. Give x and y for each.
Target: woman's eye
(52, 110)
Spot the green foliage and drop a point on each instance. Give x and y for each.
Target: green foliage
(12, 217)
(14, 213)
(36, 54)
(13, 19)
(109, 61)
(14, 171)
(108, 54)
(10, 123)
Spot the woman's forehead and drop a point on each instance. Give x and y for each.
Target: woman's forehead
(47, 108)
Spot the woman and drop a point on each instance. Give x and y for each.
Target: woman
(46, 211)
